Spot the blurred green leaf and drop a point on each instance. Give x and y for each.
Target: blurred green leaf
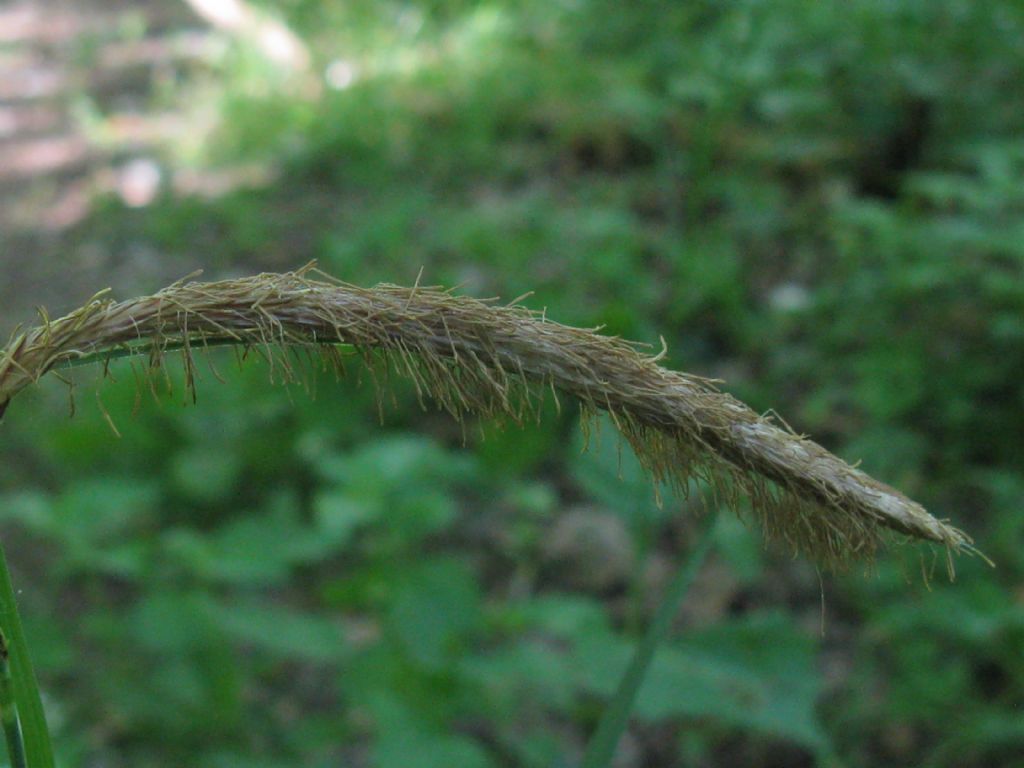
(529, 674)
(96, 511)
(435, 606)
(206, 473)
(404, 740)
(172, 622)
(281, 631)
(758, 673)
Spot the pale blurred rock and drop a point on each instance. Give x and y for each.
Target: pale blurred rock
(590, 549)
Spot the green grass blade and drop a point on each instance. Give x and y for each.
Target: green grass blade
(9, 710)
(601, 748)
(38, 750)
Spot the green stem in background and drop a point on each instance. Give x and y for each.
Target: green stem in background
(9, 710)
(601, 748)
(29, 741)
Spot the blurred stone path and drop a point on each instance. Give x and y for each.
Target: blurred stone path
(77, 81)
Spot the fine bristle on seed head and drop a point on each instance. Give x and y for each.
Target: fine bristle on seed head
(478, 357)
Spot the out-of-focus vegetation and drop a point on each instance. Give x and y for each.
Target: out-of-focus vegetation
(822, 203)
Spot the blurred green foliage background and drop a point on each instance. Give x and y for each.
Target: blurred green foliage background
(820, 202)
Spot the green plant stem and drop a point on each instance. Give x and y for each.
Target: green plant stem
(9, 710)
(601, 748)
(33, 737)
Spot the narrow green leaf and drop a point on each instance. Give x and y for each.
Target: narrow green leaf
(38, 749)
(601, 748)
(9, 710)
